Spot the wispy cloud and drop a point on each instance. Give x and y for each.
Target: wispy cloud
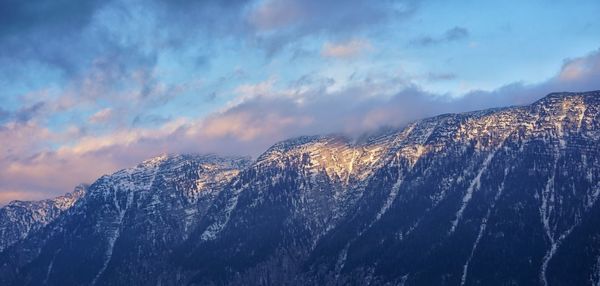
(102, 115)
(451, 35)
(431, 76)
(347, 49)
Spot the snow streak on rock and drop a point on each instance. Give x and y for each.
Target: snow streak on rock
(50, 267)
(482, 228)
(216, 227)
(390, 199)
(595, 279)
(115, 233)
(339, 265)
(546, 210)
(549, 194)
(475, 183)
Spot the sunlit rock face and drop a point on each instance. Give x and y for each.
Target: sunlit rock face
(494, 197)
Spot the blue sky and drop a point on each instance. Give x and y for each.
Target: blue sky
(89, 87)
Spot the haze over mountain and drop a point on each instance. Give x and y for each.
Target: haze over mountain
(492, 197)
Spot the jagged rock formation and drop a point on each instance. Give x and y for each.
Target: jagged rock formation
(494, 197)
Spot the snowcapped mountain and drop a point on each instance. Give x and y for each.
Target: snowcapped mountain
(125, 224)
(18, 219)
(495, 197)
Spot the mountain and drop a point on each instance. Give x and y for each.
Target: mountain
(18, 218)
(124, 226)
(504, 196)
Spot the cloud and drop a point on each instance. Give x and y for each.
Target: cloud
(4, 115)
(265, 112)
(67, 36)
(451, 35)
(142, 120)
(23, 114)
(22, 140)
(370, 104)
(28, 168)
(127, 91)
(102, 115)
(6, 197)
(277, 23)
(45, 32)
(310, 106)
(345, 50)
(440, 76)
(456, 33)
(273, 15)
(314, 15)
(581, 70)
(19, 16)
(119, 54)
(253, 90)
(27, 113)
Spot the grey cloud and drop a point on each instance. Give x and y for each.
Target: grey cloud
(47, 31)
(211, 96)
(4, 115)
(24, 114)
(70, 35)
(456, 33)
(58, 15)
(451, 35)
(440, 76)
(27, 113)
(144, 120)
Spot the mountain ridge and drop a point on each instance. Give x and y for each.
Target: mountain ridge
(418, 205)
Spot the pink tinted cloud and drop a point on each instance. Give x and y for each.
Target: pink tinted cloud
(102, 115)
(275, 14)
(582, 69)
(347, 49)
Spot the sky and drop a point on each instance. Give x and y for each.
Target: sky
(90, 87)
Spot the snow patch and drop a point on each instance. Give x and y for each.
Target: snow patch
(339, 265)
(546, 211)
(50, 266)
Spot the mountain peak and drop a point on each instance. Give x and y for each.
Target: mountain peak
(20, 218)
(586, 96)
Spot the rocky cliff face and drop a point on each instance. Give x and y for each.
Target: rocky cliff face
(501, 196)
